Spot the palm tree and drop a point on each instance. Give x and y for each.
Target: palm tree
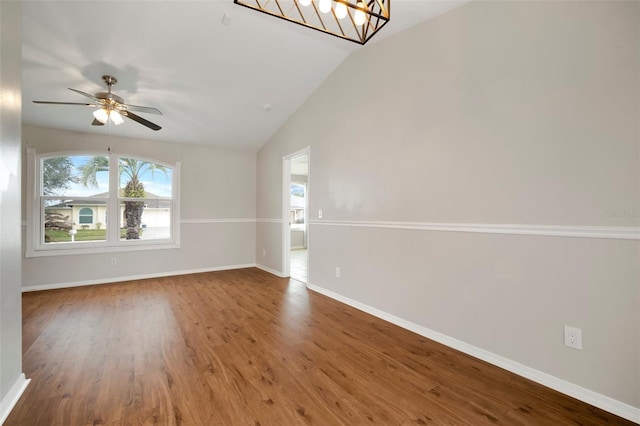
(130, 170)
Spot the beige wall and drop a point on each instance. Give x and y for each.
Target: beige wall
(11, 377)
(494, 113)
(217, 212)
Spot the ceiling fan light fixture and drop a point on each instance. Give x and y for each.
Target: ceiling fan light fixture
(365, 18)
(116, 117)
(101, 115)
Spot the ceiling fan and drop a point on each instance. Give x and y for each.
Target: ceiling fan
(111, 106)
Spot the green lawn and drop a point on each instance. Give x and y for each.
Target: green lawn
(52, 236)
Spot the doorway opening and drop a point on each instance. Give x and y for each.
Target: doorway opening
(296, 208)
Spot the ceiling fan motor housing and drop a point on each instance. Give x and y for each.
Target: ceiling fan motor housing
(109, 96)
(112, 100)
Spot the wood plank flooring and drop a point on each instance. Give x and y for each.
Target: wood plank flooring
(246, 348)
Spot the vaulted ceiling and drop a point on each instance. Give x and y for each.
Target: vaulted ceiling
(228, 84)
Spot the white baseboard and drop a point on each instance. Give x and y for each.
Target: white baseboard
(271, 271)
(12, 397)
(26, 289)
(590, 397)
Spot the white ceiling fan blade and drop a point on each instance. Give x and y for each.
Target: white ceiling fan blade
(64, 103)
(84, 94)
(138, 108)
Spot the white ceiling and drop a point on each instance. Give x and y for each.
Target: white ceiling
(210, 80)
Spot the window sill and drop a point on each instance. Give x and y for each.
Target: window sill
(98, 250)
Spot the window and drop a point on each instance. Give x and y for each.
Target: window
(85, 215)
(136, 199)
(298, 203)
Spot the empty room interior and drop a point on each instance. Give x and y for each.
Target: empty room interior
(320, 212)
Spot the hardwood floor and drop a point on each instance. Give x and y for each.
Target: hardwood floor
(246, 348)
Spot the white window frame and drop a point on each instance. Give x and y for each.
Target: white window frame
(35, 245)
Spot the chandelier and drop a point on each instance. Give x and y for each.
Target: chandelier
(357, 21)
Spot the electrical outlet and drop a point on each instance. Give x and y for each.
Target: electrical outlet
(337, 272)
(319, 213)
(573, 337)
(114, 261)
(264, 252)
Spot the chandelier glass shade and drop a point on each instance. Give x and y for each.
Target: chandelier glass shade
(356, 21)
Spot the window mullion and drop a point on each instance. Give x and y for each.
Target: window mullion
(113, 227)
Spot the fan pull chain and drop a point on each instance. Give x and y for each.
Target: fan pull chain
(109, 141)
